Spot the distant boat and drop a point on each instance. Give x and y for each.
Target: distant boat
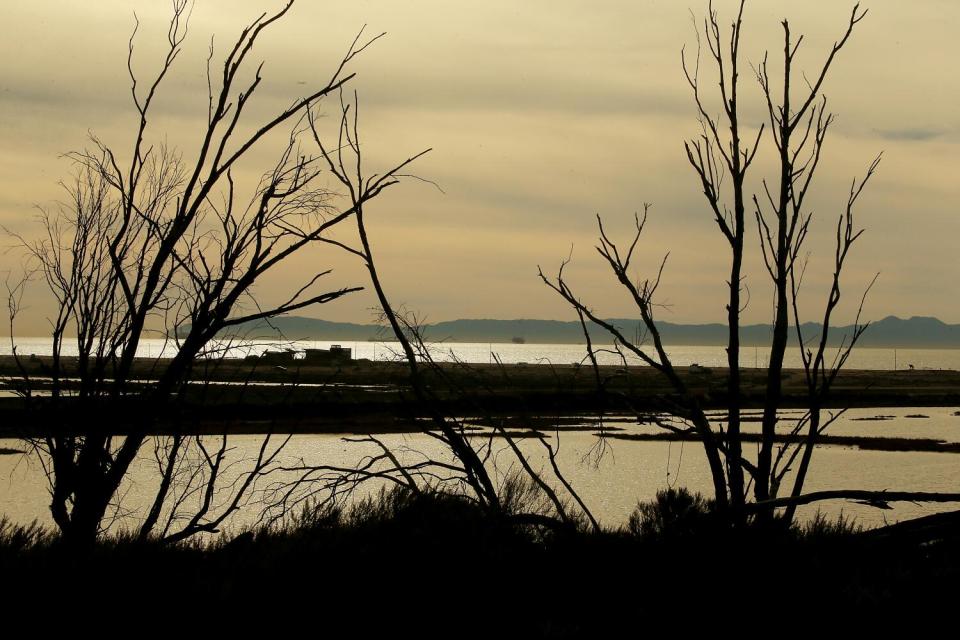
(518, 340)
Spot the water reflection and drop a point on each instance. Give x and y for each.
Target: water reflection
(611, 484)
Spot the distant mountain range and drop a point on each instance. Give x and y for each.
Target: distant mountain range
(915, 332)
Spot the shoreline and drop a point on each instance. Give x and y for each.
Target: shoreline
(369, 397)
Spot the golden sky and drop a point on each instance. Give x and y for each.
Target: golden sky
(540, 115)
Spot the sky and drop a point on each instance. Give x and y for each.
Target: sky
(539, 116)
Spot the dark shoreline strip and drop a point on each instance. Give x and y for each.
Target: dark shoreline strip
(868, 443)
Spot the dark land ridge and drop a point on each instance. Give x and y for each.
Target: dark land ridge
(891, 332)
(362, 396)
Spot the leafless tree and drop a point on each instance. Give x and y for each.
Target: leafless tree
(798, 127)
(156, 241)
(345, 163)
(819, 373)
(469, 472)
(711, 155)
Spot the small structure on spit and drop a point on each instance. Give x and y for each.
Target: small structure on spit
(336, 354)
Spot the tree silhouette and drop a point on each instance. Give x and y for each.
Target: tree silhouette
(798, 124)
(159, 241)
(467, 477)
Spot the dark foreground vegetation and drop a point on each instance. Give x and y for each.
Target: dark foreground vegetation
(435, 563)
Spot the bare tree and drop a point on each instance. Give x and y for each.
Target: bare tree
(469, 474)
(162, 242)
(711, 155)
(345, 163)
(798, 127)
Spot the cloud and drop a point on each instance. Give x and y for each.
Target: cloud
(911, 134)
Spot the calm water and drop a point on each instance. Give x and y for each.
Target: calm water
(541, 353)
(611, 486)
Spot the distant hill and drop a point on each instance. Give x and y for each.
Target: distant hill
(890, 332)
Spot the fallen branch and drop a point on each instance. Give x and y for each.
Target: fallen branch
(878, 499)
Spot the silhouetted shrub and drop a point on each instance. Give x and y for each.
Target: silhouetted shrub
(674, 513)
(15, 537)
(821, 527)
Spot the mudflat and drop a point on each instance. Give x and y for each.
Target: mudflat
(362, 396)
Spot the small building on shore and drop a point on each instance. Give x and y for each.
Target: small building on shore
(336, 354)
